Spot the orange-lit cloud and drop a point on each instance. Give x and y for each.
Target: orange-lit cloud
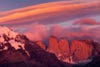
(49, 13)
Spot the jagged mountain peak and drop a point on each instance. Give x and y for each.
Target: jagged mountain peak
(8, 36)
(7, 31)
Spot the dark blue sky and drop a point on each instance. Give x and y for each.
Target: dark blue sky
(12, 4)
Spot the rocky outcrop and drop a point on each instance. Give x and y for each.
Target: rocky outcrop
(58, 47)
(80, 50)
(53, 45)
(41, 44)
(64, 49)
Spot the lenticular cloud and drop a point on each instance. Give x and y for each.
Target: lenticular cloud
(50, 13)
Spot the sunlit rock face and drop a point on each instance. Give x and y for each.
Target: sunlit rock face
(41, 44)
(53, 45)
(64, 49)
(81, 51)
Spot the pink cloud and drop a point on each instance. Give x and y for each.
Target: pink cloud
(37, 32)
(42, 32)
(86, 21)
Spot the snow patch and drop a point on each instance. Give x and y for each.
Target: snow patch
(12, 36)
(8, 32)
(16, 45)
(5, 48)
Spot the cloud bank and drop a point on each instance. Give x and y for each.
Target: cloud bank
(42, 32)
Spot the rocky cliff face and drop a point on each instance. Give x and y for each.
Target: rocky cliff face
(41, 44)
(64, 48)
(79, 51)
(59, 48)
(53, 45)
